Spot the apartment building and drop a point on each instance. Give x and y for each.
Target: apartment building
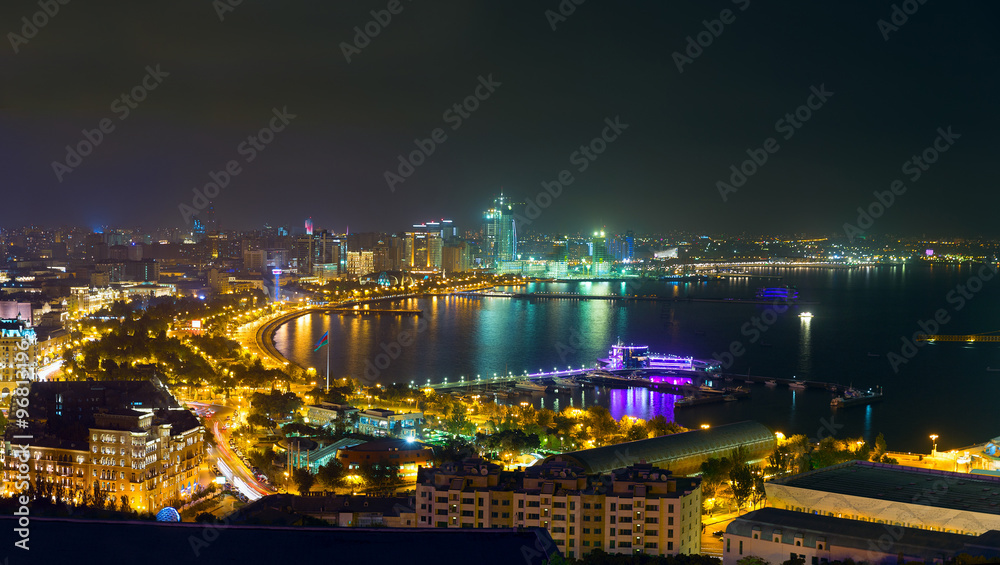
(150, 456)
(638, 509)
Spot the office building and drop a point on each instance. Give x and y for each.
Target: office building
(499, 232)
(360, 262)
(382, 422)
(408, 454)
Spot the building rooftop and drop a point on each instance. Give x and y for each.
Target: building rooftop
(941, 489)
(157, 543)
(858, 534)
(680, 453)
(388, 444)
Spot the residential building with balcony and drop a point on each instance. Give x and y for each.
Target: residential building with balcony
(637, 509)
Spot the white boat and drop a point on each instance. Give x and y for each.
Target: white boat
(565, 381)
(770, 382)
(796, 386)
(806, 315)
(530, 386)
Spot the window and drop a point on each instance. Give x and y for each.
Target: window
(558, 505)
(670, 520)
(480, 515)
(533, 504)
(467, 501)
(652, 520)
(597, 506)
(586, 506)
(520, 503)
(624, 544)
(624, 532)
(558, 530)
(586, 518)
(493, 514)
(586, 530)
(506, 515)
(625, 519)
(670, 533)
(586, 543)
(815, 560)
(572, 505)
(505, 503)
(652, 507)
(652, 532)
(613, 505)
(532, 516)
(670, 508)
(572, 530)
(650, 545)
(670, 546)
(611, 544)
(741, 547)
(612, 518)
(597, 531)
(625, 507)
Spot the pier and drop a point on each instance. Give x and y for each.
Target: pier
(630, 298)
(372, 311)
(984, 337)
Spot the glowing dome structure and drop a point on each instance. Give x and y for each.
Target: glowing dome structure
(168, 514)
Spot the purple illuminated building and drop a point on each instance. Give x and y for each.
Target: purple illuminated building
(638, 357)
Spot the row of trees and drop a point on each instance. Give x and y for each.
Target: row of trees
(570, 428)
(377, 478)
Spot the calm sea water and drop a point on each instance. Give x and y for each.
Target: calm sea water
(945, 389)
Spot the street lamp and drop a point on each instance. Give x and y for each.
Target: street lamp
(933, 443)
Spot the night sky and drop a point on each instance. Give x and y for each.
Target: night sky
(556, 88)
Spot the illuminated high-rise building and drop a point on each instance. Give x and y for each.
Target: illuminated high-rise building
(499, 232)
(599, 247)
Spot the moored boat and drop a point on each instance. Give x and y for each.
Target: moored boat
(530, 386)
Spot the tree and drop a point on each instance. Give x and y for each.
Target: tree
(380, 478)
(753, 560)
(100, 497)
(454, 449)
(303, 480)
(714, 472)
(332, 474)
(602, 425)
(206, 518)
(742, 482)
(659, 426)
(459, 424)
(257, 420)
(759, 494)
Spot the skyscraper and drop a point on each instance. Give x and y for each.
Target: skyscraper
(499, 232)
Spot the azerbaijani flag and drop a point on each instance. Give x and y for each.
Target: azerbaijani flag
(322, 341)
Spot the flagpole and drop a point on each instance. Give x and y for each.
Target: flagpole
(328, 364)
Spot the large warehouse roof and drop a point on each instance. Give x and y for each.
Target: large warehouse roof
(894, 483)
(681, 453)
